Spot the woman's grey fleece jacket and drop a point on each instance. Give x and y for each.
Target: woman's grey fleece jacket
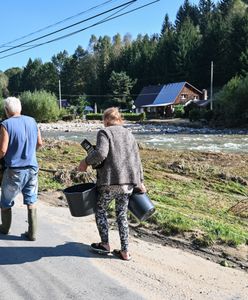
(117, 147)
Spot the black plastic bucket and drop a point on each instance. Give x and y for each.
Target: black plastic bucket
(81, 199)
(141, 206)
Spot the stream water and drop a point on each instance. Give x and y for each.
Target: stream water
(211, 142)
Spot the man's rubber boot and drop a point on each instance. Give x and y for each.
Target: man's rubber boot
(32, 224)
(6, 220)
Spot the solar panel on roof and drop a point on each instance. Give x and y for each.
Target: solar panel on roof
(159, 94)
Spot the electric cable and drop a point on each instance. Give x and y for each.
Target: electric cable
(85, 28)
(55, 24)
(67, 27)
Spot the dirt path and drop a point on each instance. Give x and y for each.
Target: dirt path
(157, 270)
(221, 254)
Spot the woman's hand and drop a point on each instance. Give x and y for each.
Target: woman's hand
(82, 166)
(140, 189)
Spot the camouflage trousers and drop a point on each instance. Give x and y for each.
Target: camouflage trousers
(121, 207)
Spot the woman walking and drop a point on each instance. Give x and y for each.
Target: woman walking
(120, 172)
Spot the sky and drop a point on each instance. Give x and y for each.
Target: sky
(20, 18)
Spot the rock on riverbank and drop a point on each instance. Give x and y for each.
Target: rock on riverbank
(160, 126)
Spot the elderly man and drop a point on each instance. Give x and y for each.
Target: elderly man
(19, 139)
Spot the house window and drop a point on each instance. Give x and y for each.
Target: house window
(183, 96)
(195, 97)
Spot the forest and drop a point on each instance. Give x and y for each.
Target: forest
(113, 70)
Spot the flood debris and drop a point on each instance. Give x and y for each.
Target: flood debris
(72, 176)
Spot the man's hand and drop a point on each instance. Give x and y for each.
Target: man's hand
(82, 166)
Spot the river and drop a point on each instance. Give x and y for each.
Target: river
(165, 137)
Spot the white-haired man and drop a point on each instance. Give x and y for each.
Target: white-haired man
(19, 139)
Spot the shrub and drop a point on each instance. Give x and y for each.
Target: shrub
(231, 105)
(207, 114)
(143, 116)
(79, 104)
(67, 117)
(178, 111)
(40, 105)
(134, 116)
(94, 117)
(194, 115)
(126, 116)
(63, 112)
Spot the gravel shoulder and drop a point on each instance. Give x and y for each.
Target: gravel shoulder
(235, 258)
(157, 270)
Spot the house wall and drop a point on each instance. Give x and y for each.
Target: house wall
(187, 94)
(139, 110)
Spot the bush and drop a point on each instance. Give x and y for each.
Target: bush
(143, 116)
(126, 116)
(178, 111)
(207, 114)
(62, 112)
(134, 116)
(40, 105)
(195, 115)
(68, 117)
(93, 117)
(231, 105)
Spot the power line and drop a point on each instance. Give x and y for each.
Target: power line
(18, 46)
(117, 12)
(85, 28)
(57, 23)
(67, 27)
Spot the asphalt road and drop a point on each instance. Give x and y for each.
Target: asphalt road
(59, 265)
(54, 266)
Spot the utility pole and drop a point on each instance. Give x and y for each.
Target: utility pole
(211, 85)
(60, 104)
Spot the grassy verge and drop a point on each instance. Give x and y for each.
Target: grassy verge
(201, 194)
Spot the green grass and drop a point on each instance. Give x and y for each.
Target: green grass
(192, 191)
(225, 233)
(48, 183)
(171, 222)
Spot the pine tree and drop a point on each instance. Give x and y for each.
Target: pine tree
(187, 42)
(31, 77)
(167, 26)
(120, 87)
(206, 8)
(187, 11)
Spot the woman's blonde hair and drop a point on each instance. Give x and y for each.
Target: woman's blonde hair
(112, 116)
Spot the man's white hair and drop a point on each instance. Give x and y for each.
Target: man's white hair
(12, 105)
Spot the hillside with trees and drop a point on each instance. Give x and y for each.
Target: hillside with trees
(113, 70)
